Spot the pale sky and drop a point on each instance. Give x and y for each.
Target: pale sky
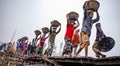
(29, 15)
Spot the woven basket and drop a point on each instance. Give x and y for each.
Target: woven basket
(19, 39)
(55, 23)
(37, 32)
(25, 38)
(92, 5)
(45, 30)
(73, 15)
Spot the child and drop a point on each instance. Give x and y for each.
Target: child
(29, 49)
(99, 36)
(39, 49)
(11, 48)
(51, 40)
(86, 30)
(76, 40)
(2, 47)
(68, 36)
(35, 41)
(25, 47)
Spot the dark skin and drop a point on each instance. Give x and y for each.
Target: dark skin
(54, 29)
(91, 14)
(71, 22)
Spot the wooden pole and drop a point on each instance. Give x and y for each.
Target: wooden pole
(13, 35)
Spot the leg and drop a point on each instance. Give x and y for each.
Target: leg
(86, 50)
(84, 43)
(65, 49)
(79, 50)
(75, 49)
(97, 51)
(51, 50)
(69, 54)
(45, 52)
(62, 54)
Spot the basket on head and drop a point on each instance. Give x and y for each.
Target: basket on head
(45, 29)
(92, 5)
(73, 16)
(25, 38)
(37, 32)
(20, 39)
(55, 23)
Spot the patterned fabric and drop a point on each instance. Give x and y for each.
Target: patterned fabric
(96, 49)
(84, 39)
(68, 46)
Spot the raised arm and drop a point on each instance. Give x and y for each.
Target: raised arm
(67, 19)
(50, 29)
(97, 18)
(77, 24)
(84, 6)
(59, 29)
(39, 37)
(85, 10)
(47, 36)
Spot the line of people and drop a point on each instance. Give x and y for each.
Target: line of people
(35, 48)
(84, 40)
(72, 37)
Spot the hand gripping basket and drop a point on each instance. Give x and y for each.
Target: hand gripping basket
(73, 16)
(55, 23)
(92, 5)
(37, 32)
(45, 29)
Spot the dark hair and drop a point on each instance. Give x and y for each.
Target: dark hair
(89, 12)
(98, 25)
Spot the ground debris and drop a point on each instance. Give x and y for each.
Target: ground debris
(8, 59)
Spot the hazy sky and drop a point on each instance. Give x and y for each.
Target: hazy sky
(29, 15)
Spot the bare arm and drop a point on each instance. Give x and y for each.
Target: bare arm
(97, 18)
(68, 20)
(77, 24)
(59, 30)
(47, 36)
(50, 28)
(39, 37)
(85, 10)
(84, 6)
